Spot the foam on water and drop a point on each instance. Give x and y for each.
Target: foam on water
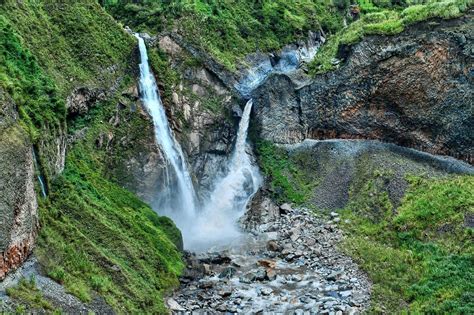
(214, 221)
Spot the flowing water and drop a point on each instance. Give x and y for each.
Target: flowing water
(39, 176)
(178, 198)
(214, 220)
(226, 203)
(289, 60)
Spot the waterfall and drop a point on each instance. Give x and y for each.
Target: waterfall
(215, 221)
(226, 203)
(178, 197)
(39, 176)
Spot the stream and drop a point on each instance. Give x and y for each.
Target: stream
(288, 265)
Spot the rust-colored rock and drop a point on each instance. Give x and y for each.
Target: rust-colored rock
(413, 89)
(14, 256)
(18, 204)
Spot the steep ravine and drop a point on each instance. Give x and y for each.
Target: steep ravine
(294, 253)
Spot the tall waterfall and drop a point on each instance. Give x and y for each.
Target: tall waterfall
(178, 198)
(214, 222)
(217, 224)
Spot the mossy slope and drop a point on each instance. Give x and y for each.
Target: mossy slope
(408, 222)
(96, 237)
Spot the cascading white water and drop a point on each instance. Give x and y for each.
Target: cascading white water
(215, 222)
(39, 177)
(176, 200)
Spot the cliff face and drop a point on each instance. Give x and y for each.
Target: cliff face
(414, 89)
(18, 205)
(69, 90)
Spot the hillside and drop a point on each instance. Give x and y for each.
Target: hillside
(64, 69)
(246, 157)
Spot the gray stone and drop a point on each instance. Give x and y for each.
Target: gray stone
(286, 208)
(225, 291)
(173, 305)
(228, 273)
(273, 246)
(266, 291)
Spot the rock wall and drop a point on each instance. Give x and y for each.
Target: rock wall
(18, 204)
(413, 89)
(203, 111)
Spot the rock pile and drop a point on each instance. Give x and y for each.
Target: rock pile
(290, 265)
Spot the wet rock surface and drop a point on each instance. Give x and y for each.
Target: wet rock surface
(290, 265)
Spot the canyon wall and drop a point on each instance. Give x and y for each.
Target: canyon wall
(18, 205)
(412, 89)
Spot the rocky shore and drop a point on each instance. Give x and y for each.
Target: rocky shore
(290, 265)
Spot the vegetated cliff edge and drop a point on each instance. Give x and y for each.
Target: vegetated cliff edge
(412, 89)
(68, 81)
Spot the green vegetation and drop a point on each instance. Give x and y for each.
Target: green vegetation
(419, 256)
(33, 92)
(28, 296)
(74, 43)
(231, 29)
(288, 181)
(383, 20)
(98, 237)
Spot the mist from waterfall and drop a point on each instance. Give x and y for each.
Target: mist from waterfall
(226, 203)
(214, 221)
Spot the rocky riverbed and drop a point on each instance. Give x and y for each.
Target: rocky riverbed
(290, 265)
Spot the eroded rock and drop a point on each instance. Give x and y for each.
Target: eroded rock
(408, 89)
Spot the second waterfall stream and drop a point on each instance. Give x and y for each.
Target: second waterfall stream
(212, 221)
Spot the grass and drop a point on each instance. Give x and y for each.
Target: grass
(34, 93)
(288, 182)
(383, 21)
(419, 256)
(98, 237)
(75, 43)
(27, 295)
(229, 30)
